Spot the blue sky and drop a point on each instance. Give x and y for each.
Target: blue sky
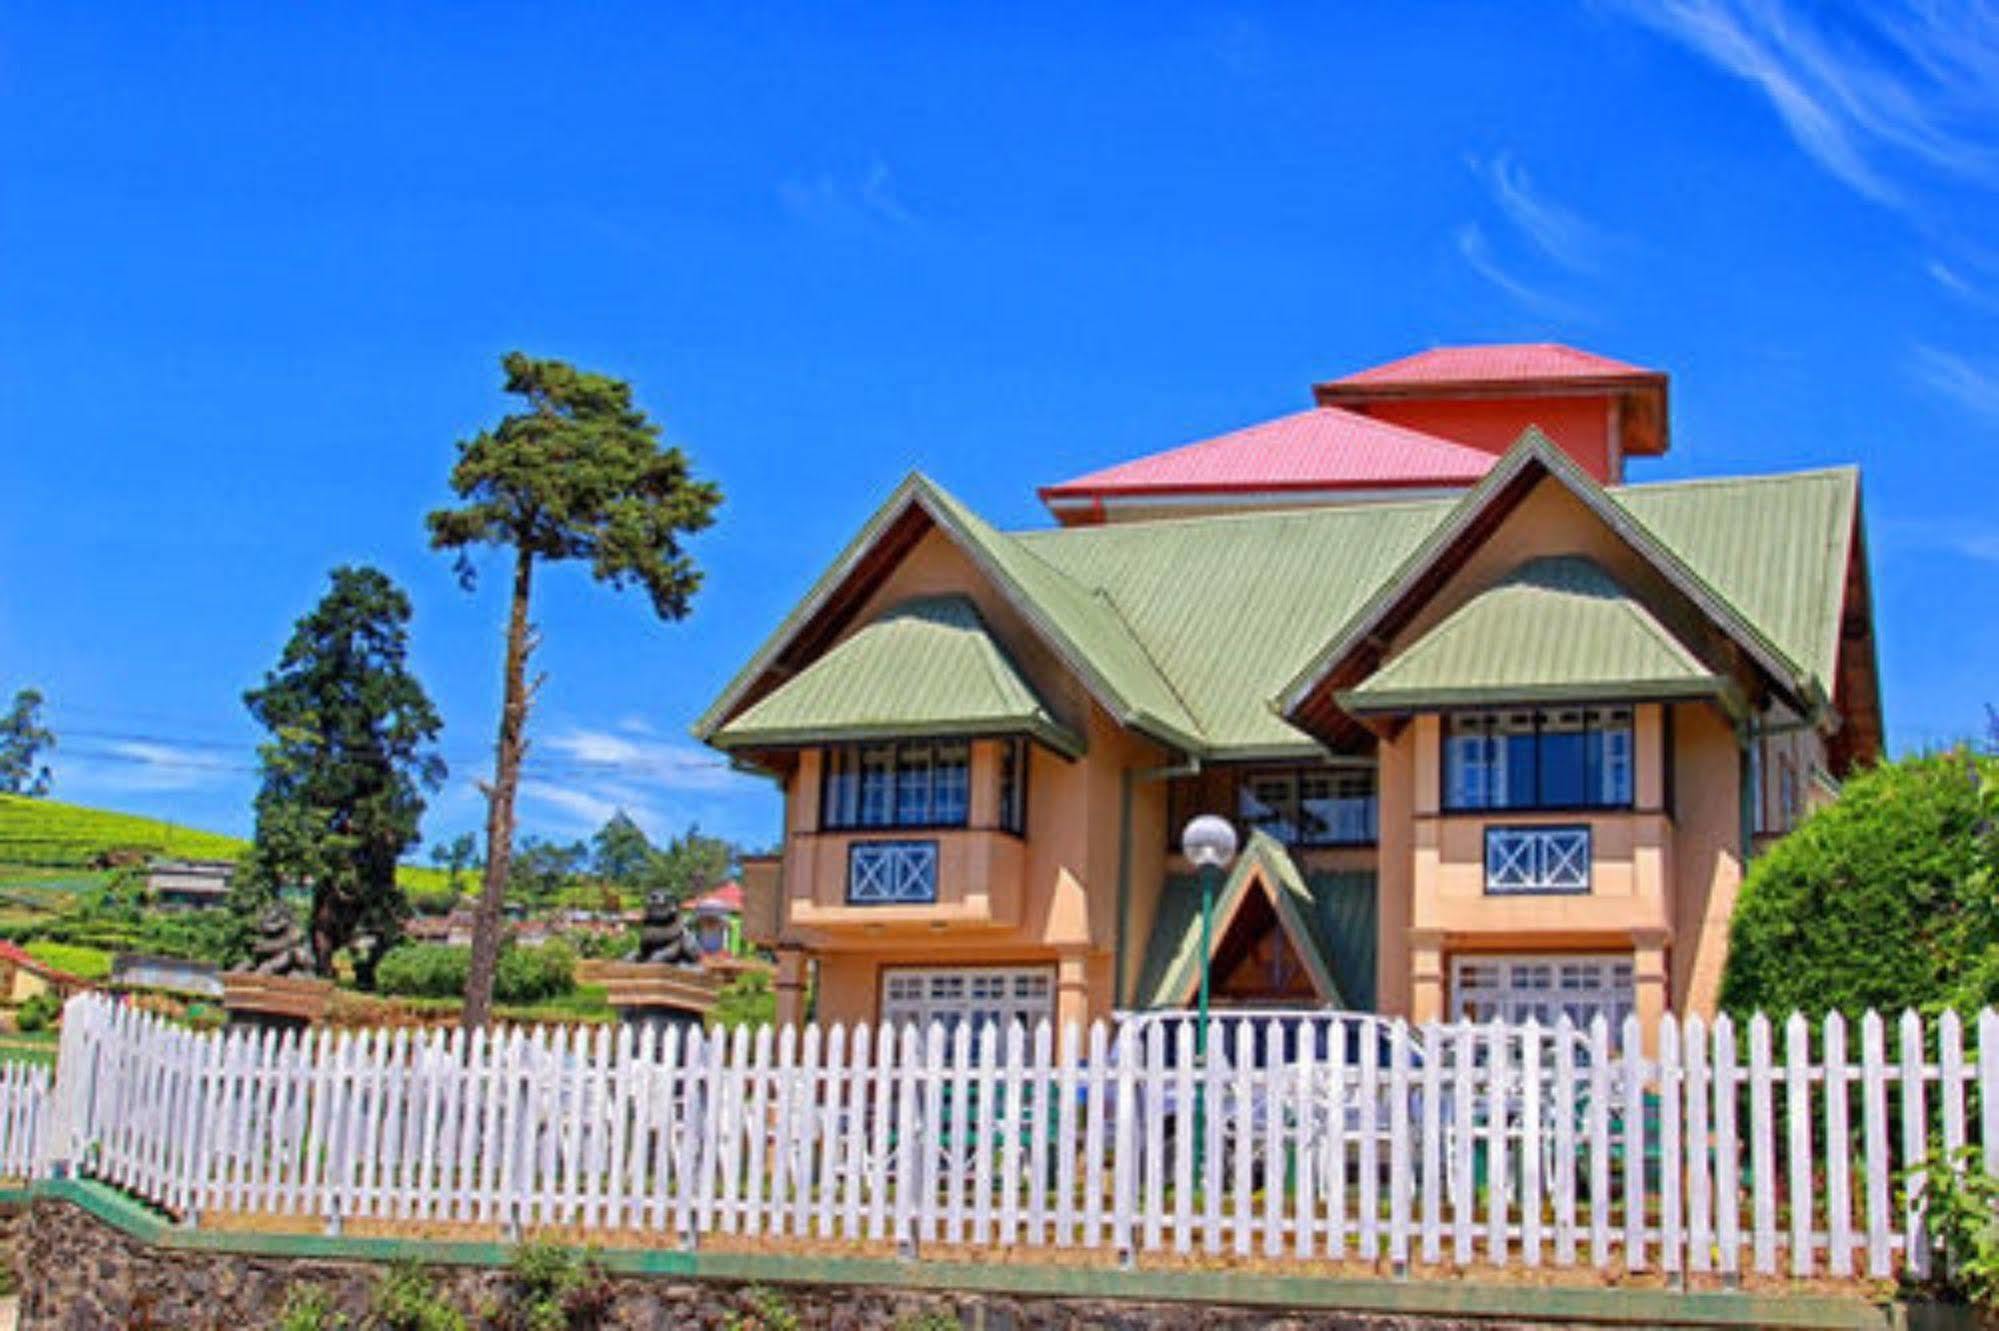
(257, 264)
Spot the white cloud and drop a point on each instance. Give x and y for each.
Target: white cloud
(870, 199)
(1901, 88)
(653, 762)
(575, 779)
(1562, 234)
(136, 765)
(1972, 386)
(1477, 252)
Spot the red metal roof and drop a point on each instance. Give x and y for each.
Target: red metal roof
(1325, 448)
(1495, 363)
(728, 898)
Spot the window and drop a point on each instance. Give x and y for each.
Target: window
(1013, 785)
(1530, 861)
(981, 996)
(1310, 807)
(1515, 988)
(918, 784)
(1790, 800)
(892, 873)
(1539, 758)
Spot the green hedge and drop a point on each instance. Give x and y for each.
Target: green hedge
(434, 970)
(1885, 899)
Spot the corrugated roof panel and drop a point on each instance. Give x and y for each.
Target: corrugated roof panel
(1496, 363)
(1559, 628)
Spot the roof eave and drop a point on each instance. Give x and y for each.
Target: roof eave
(1402, 702)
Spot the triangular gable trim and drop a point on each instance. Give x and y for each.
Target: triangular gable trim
(919, 492)
(1265, 863)
(1534, 450)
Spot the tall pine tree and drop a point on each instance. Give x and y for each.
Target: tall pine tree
(579, 474)
(351, 752)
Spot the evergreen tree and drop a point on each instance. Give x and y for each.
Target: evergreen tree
(23, 741)
(350, 754)
(620, 852)
(580, 474)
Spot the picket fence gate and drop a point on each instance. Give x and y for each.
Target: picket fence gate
(24, 1116)
(1779, 1150)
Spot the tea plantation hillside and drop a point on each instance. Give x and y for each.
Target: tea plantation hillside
(38, 834)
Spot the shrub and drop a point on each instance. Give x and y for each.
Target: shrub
(310, 1308)
(407, 1300)
(434, 970)
(39, 1013)
(1884, 899)
(1960, 1206)
(433, 904)
(552, 1288)
(746, 1000)
(763, 1310)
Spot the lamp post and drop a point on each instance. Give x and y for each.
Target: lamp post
(1209, 844)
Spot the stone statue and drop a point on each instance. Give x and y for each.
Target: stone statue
(663, 938)
(277, 947)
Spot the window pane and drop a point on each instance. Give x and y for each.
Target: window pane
(1466, 766)
(912, 787)
(1512, 780)
(877, 786)
(1564, 766)
(1336, 808)
(1267, 802)
(951, 790)
(1611, 750)
(1013, 785)
(843, 786)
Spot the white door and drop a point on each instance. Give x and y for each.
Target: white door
(950, 995)
(1515, 987)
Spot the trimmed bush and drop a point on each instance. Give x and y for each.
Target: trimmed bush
(39, 1013)
(434, 970)
(1884, 899)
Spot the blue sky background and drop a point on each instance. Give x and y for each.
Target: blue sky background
(257, 263)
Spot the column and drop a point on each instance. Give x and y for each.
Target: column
(1072, 991)
(1648, 979)
(1426, 975)
(790, 986)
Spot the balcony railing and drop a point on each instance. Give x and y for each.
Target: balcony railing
(892, 873)
(1537, 859)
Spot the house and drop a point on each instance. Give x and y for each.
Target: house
(718, 920)
(23, 977)
(190, 884)
(1500, 728)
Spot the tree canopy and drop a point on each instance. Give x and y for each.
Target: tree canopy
(580, 474)
(23, 742)
(351, 751)
(1887, 898)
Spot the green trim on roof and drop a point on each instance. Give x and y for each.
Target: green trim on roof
(1535, 449)
(926, 667)
(1172, 971)
(1081, 626)
(1553, 629)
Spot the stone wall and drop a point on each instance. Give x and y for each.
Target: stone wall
(84, 1275)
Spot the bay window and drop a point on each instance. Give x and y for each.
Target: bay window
(1539, 758)
(910, 784)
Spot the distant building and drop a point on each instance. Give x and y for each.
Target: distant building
(190, 884)
(22, 977)
(178, 975)
(718, 919)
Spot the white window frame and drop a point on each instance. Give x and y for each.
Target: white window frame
(1515, 986)
(950, 995)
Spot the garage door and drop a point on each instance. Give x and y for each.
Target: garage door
(1543, 987)
(951, 996)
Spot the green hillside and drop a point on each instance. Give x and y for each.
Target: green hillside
(45, 834)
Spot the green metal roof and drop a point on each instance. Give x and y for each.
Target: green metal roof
(926, 667)
(1324, 917)
(1189, 629)
(1552, 629)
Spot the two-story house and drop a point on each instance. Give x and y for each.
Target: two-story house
(1500, 729)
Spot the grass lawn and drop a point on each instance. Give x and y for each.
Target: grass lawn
(39, 1048)
(87, 963)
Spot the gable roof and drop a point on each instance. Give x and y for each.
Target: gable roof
(1553, 629)
(927, 666)
(1529, 461)
(1493, 363)
(1324, 448)
(1078, 624)
(1189, 628)
(1172, 971)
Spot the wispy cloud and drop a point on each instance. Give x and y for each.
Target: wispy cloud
(1559, 232)
(1969, 384)
(134, 765)
(1891, 93)
(869, 199)
(657, 763)
(1476, 251)
(577, 778)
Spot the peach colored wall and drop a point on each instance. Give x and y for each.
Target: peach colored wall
(1581, 425)
(1707, 850)
(1395, 881)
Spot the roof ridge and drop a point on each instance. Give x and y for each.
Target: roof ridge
(1844, 469)
(1303, 511)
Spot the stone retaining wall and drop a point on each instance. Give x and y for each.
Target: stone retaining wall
(85, 1275)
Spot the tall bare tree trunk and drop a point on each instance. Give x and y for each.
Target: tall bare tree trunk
(512, 748)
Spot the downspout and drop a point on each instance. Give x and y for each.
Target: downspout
(1126, 780)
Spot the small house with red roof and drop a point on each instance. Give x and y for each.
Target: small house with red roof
(1499, 724)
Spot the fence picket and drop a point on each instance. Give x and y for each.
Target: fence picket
(1915, 1146)
(1798, 1120)
(1838, 1150)
(1695, 1091)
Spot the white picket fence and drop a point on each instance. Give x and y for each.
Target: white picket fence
(24, 1115)
(1768, 1151)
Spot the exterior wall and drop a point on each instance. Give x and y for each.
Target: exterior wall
(1583, 426)
(1707, 821)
